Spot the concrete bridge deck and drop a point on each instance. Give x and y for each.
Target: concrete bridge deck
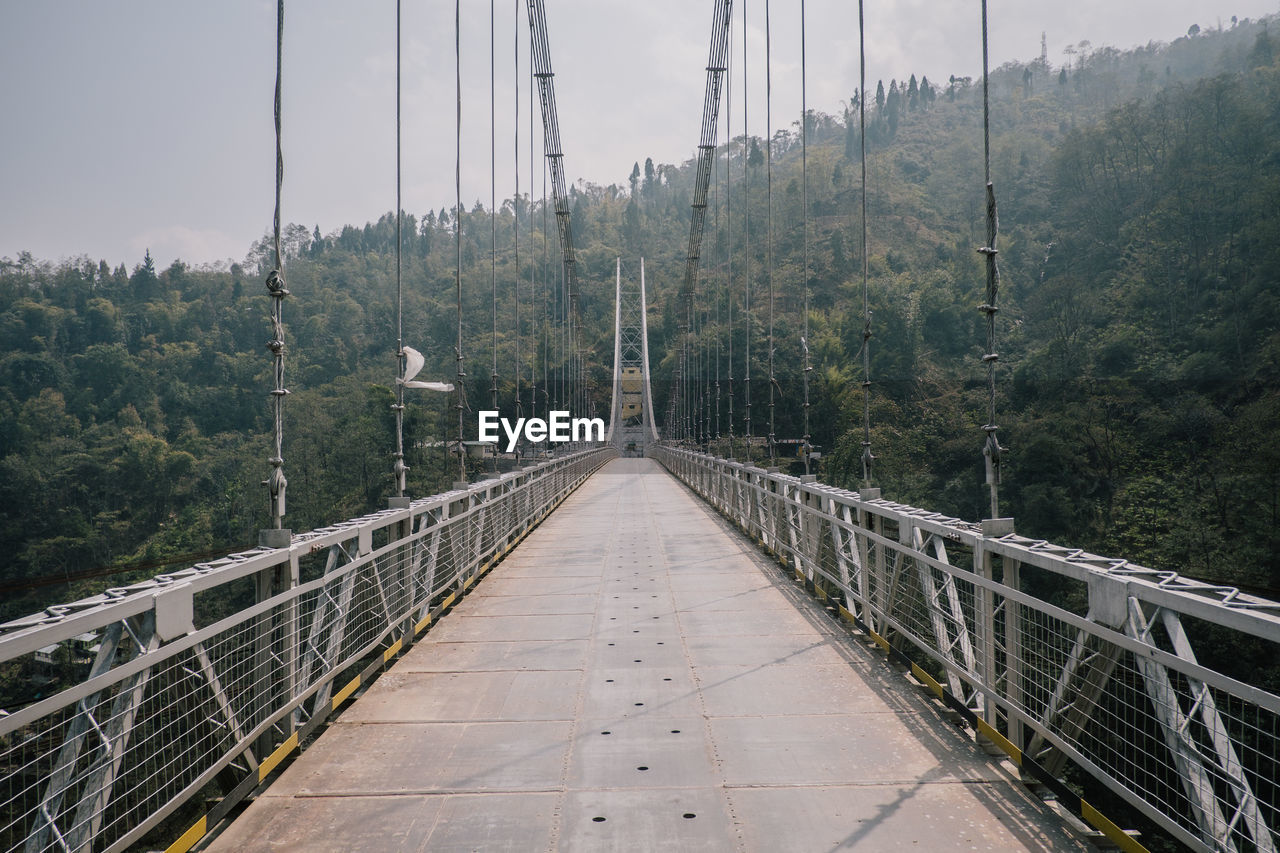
(636, 677)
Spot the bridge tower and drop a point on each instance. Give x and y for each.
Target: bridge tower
(631, 425)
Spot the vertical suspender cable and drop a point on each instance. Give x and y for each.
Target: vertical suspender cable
(991, 449)
(543, 341)
(493, 214)
(706, 378)
(276, 483)
(728, 227)
(867, 457)
(728, 61)
(515, 206)
(768, 168)
(400, 469)
(548, 303)
(546, 296)
(804, 201)
(457, 232)
(746, 244)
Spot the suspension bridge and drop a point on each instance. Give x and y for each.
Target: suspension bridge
(636, 643)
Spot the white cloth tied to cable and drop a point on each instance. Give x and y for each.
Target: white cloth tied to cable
(413, 362)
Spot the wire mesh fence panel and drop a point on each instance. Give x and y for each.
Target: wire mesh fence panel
(184, 690)
(1071, 659)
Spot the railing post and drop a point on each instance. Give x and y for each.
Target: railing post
(810, 505)
(268, 583)
(984, 612)
(1013, 650)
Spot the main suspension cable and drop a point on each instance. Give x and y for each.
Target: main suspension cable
(276, 483)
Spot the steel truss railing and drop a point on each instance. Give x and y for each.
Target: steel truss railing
(1106, 677)
(203, 675)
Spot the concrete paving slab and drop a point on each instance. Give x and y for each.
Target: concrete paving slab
(844, 749)
(515, 628)
(480, 655)
(334, 824)
(939, 818)
(421, 758)
(740, 691)
(689, 820)
(713, 623)
(487, 696)
(642, 752)
(769, 650)
(535, 605)
(550, 585)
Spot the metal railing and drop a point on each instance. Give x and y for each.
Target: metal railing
(215, 672)
(1106, 676)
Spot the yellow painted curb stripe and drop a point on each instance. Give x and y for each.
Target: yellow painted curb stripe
(990, 733)
(822, 594)
(345, 693)
(846, 615)
(880, 641)
(190, 837)
(421, 626)
(391, 652)
(273, 760)
(453, 596)
(927, 679)
(1122, 839)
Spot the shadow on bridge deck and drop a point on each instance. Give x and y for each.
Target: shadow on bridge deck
(636, 677)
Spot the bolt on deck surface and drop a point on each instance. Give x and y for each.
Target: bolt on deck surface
(635, 676)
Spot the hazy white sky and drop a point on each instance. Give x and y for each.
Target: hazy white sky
(138, 124)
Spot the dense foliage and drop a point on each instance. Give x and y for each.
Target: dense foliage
(1140, 250)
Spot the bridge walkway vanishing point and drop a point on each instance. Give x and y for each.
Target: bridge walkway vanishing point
(636, 676)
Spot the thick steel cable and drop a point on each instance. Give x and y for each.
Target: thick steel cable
(457, 234)
(867, 457)
(804, 201)
(768, 167)
(276, 483)
(493, 213)
(400, 469)
(991, 448)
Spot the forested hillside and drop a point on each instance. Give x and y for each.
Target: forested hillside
(1139, 332)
